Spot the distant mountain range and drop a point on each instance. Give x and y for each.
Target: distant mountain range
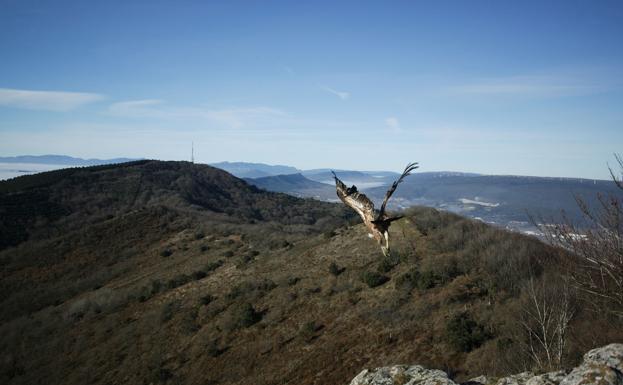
(294, 184)
(61, 160)
(254, 170)
(323, 175)
(14, 166)
(505, 200)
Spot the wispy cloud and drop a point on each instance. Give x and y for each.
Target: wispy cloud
(539, 86)
(137, 108)
(340, 94)
(231, 117)
(393, 124)
(46, 100)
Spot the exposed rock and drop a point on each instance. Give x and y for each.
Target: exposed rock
(516, 379)
(601, 366)
(476, 380)
(610, 355)
(402, 375)
(551, 378)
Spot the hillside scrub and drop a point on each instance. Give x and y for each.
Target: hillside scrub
(464, 334)
(373, 278)
(596, 269)
(93, 301)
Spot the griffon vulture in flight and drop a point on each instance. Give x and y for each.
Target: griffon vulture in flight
(377, 223)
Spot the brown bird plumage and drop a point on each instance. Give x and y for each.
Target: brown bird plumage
(377, 223)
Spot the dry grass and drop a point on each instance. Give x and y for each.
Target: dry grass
(99, 310)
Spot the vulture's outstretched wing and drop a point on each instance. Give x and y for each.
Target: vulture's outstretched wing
(410, 167)
(355, 200)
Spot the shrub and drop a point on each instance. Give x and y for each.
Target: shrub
(443, 270)
(146, 292)
(166, 253)
(206, 299)
(414, 278)
(426, 220)
(258, 288)
(425, 280)
(197, 275)
(188, 323)
(211, 266)
(246, 316)
(178, 280)
(386, 265)
(308, 330)
(161, 375)
(373, 279)
(454, 236)
(335, 269)
(464, 334)
(204, 248)
(166, 313)
(156, 286)
(243, 260)
(213, 349)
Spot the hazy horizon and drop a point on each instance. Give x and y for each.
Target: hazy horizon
(526, 88)
(10, 169)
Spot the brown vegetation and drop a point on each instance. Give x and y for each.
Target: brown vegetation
(597, 246)
(252, 290)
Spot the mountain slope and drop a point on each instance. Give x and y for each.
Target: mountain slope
(71, 197)
(506, 201)
(254, 170)
(361, 179)
(168, 272)
(295, 184)
(498, 198)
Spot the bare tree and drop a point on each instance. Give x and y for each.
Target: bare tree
(546, 313)
(596, 265)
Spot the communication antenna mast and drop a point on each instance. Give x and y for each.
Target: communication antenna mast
(192, 152)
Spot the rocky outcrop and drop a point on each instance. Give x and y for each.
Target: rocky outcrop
(402, 375)
(601, 366)
(551, 378)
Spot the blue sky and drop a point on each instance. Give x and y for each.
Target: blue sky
(528, 88)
